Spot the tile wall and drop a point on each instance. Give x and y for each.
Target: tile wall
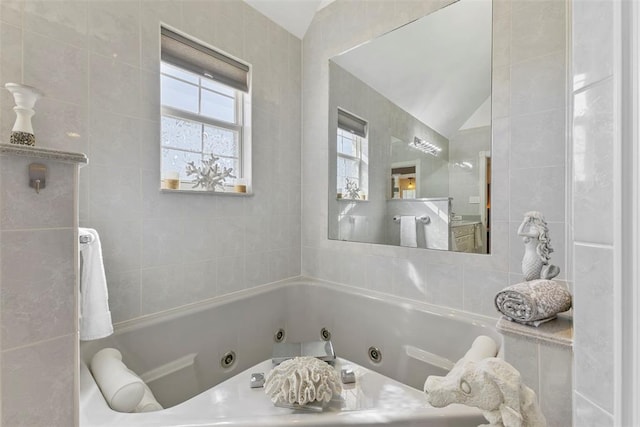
(529, 161)
(98, 62)
(39, 327)
(595, 146)
(529, 86)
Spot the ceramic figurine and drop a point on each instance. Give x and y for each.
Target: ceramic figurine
(25, 98)
(537, 248)
(493, 386)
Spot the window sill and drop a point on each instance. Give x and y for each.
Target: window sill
(210, 193)
(352, 200)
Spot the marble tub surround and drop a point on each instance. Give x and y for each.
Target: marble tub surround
(38, 287)
(558, 331)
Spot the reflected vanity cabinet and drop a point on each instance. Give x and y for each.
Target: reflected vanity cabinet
(463, 238)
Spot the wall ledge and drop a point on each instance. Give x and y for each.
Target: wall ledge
(43, 153)
(558, 331)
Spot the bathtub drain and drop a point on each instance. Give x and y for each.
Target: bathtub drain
(228, 359)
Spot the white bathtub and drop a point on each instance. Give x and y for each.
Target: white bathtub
(179, 353)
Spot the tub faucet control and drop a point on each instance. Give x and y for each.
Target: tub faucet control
(257, 380)
(347, 375)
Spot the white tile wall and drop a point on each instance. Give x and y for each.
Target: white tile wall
(594, 147)
(529, 88)
(38, 320)
(42, 372)
(528, 160)
(588, 414)
(546, 369)
(97, 63)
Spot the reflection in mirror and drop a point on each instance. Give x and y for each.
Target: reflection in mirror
(421, 98)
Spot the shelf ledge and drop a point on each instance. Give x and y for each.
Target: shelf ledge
(43, 153)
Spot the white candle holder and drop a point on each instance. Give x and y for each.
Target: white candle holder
(25, 98)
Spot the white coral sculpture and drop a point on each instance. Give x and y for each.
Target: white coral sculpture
(302, 380)
(352, 189)
(209, 175)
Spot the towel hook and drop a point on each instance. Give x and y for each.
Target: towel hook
(37, 172)
(425, 219)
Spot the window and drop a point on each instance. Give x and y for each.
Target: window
(353, 156)
(204, 132)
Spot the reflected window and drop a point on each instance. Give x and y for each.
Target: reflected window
(353, 157)
(203, 119)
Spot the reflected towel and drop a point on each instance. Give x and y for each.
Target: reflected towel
(408, 235)
(95, 317)
(534, 302)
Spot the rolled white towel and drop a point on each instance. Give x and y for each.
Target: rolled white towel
(122, 389)
(148, 402)
(482, 347)
(534, 302)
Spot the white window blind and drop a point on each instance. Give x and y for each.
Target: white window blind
(204, 61)
(351, 123)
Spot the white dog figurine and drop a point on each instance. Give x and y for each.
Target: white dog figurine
(492, 385)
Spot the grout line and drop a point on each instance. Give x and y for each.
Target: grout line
(535, 58)
(592, 403)
(39, 342)
(595, 84)
(592, 245)
(24, 230)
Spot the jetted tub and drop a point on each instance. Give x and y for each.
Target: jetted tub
(179, 354)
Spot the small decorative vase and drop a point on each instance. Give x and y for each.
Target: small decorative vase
(25, 98)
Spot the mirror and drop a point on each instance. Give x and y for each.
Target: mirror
(410, 134)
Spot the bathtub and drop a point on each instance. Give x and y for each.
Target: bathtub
(179, 354)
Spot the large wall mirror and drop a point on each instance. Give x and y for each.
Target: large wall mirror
(410, 134)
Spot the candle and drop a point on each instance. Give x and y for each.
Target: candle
(172, 180)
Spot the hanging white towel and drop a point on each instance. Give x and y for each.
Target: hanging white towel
(95, 317)
(408, 235)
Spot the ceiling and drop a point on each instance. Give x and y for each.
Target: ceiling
(294, 16)
(437, 68)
